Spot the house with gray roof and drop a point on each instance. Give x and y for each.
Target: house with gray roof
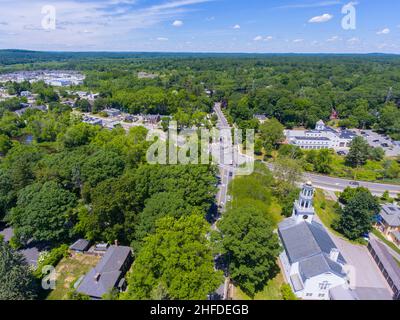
(108, 274)
(389, 221)
(80, 246)
(312, 263)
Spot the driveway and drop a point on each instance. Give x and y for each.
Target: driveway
(367, 273)
(31, 252)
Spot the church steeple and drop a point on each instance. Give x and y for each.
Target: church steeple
(303, 207)
(320, 126)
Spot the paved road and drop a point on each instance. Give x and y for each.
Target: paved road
(227, 173)
(339, 184)
(223, 123)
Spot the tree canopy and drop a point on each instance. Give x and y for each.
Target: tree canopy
(16, 279)
(175, 263)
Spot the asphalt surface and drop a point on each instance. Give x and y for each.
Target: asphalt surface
(227, 172)
(366, 273)
(375, 140)
(339, 184)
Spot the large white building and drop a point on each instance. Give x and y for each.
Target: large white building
(323, 137)
(312, 263)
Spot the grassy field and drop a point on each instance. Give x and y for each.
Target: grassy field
(272, 291)
(68, 271)
(327, 213)
(325, 210)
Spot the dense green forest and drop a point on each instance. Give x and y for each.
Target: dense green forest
(61, 179)
(298, 90)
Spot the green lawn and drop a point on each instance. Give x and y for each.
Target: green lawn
(325, 210)
(272, 291)
(379, 234)
(68, 271)
(327, 213)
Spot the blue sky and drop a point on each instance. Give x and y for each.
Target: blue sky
(262, 26)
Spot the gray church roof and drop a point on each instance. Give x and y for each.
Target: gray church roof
(304, 240)
(310, 245)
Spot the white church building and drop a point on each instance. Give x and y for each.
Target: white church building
(312, 263)
(322, 137)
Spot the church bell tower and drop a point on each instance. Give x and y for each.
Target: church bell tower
(303, 209)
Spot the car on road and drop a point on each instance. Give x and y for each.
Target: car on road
(354, 183)
(365, 236)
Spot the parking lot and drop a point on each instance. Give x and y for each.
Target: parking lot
(377, 140)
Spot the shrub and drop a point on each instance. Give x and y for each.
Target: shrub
(287, 293)
(74, 295)
(15, 243)
(51, 258)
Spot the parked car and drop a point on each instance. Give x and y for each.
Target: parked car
(385, 145)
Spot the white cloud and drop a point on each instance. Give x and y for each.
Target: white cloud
(260, 38)
(177, 23)
(112, 22)
(384, 31)
(320, 19)
(311, 5)
(334, 38)
(298, 40)
(353, 40)
(352, 3)
(162, 39)
(236, 27)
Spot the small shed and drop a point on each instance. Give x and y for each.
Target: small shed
(80, 246)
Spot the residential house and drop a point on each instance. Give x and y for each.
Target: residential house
(261, 117)
(80, 246)
(389, 221)
(112, 112)
(108, 274)
(26, 94)
(152, 118)
(29, 107)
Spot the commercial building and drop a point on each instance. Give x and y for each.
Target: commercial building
(322, 137)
